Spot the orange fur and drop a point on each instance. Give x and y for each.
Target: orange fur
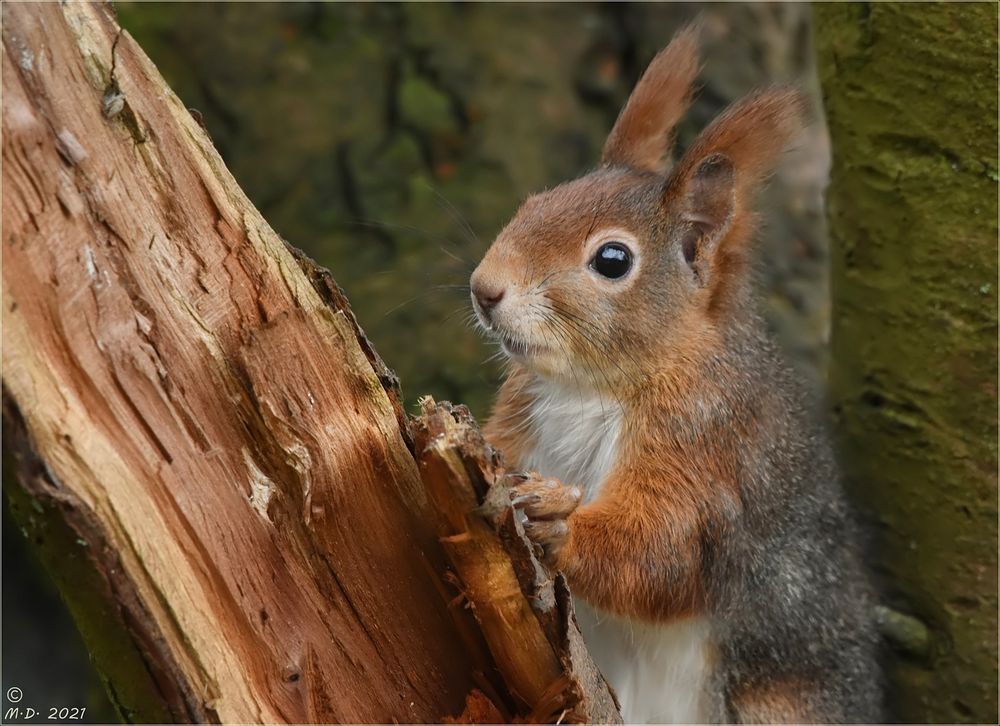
(705, 460)
(775, 702)
(751, 135)
(639, 548)
(505, 430)
(640, 136)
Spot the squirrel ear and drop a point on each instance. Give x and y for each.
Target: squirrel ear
(712, 188)
(640, 136)
(707, 210)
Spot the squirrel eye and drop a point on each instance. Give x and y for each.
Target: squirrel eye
(613, 260)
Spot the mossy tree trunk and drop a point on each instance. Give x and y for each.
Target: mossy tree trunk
(911, 98)
(212, 459)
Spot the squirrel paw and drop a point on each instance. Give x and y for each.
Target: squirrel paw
(546, 503)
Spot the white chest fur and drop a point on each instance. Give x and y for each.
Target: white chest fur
(575, 436)
(659, 672)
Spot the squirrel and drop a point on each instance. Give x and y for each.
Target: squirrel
(677, 478)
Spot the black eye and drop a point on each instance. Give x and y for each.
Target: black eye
(613, 260)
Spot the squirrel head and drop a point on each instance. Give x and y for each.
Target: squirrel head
(635, 266)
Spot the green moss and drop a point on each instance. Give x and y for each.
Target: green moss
(910, 93)
(425, 105)
(907, 633)
(67, 558)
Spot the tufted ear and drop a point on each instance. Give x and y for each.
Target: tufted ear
(641, 135)
(712, 188)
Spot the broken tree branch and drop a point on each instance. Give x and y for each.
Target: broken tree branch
(213, 460)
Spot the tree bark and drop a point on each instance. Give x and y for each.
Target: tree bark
(213, 460)
(911, 99)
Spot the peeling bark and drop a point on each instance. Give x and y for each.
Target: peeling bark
(193, 401)
(526, 612)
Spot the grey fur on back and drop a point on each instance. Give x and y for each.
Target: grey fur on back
(793, 601)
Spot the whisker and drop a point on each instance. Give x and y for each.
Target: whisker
(499, 354)
(422, 233)
(469, 314)
(564, 336)
(456, 215)
(421, 294)
(579, 321)
(538, 288)
(567, 319)
(594, 372)
(468, 264)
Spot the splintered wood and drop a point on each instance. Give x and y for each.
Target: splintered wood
(525, 612)
(192, 404)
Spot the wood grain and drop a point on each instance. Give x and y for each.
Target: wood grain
(188, 386)
(195, 401)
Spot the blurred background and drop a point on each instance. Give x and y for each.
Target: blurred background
(391, 142)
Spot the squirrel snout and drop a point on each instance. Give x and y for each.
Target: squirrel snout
(487, 296)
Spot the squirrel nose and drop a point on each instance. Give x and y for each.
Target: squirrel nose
(487, 296)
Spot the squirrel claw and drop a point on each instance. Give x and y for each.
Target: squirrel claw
(542, 530)
(530, 498)
(545, 503)
(545, 498)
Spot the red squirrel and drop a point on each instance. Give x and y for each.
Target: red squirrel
(677, 478)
